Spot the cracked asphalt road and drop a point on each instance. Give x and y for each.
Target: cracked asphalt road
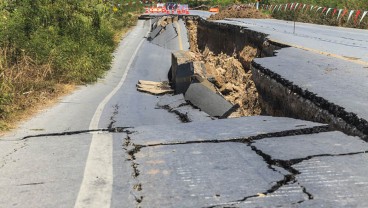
(108, 145)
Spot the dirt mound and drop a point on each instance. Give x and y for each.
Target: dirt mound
(234, 83)
(239, 11)
(228, 74)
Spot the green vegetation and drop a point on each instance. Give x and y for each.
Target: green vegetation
(319, 17)
(311, 16)
(348, 4)
(45, 43)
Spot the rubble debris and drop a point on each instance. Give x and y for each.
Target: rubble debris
(230, 74)
(154, 88)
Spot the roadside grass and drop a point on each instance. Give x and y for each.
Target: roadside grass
(24, 88)
(46, 49)
(342, 4)
(308, 16)
(319, 17)
(312, 16)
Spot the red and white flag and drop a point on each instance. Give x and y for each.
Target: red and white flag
(350, 14)
(356, 16)
(329, 9)
(304, 6)
(334, 12)
(296, 6)
(292, 6)
(338, 16)
(364, 13)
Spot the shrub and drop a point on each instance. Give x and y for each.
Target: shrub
(45, 42)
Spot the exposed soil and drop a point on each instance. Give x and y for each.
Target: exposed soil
(228, 74)
(239, 11)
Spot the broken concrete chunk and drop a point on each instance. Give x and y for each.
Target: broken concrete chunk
(198, 79)
(155, 88)
(199, 175)
(182, 70)
(207, 100)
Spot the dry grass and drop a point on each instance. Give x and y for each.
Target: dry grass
(25, 88)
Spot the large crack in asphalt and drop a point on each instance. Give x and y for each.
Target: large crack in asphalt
(176, 30)
(24, 140)
(293, 132)
(288, 178)
(182, 117)
(69, 133)
(286, 165)
(132, 149)
(114, 114)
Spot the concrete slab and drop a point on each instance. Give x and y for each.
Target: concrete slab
(327, 77)
(302, 146)
(200, 175)
(207, 100)
(222, 129)
(182, 70)
(44, 171)
(335, 181)
(168, 38)
(348, 43)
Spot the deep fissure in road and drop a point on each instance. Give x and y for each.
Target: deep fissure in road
(132, 149)
(227, 63)
(228, 52)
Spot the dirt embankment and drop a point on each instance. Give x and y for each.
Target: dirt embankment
(239, 11)
(227, 72)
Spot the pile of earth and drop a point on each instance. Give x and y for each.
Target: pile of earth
(232, 81)
(228, 74)
(239, 11)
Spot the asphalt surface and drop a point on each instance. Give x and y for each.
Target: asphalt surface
(344, 43)
(108, 145)
(326, 76)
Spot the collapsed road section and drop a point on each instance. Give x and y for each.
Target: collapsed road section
(254, 161)
(173, 154)
(282, 80)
